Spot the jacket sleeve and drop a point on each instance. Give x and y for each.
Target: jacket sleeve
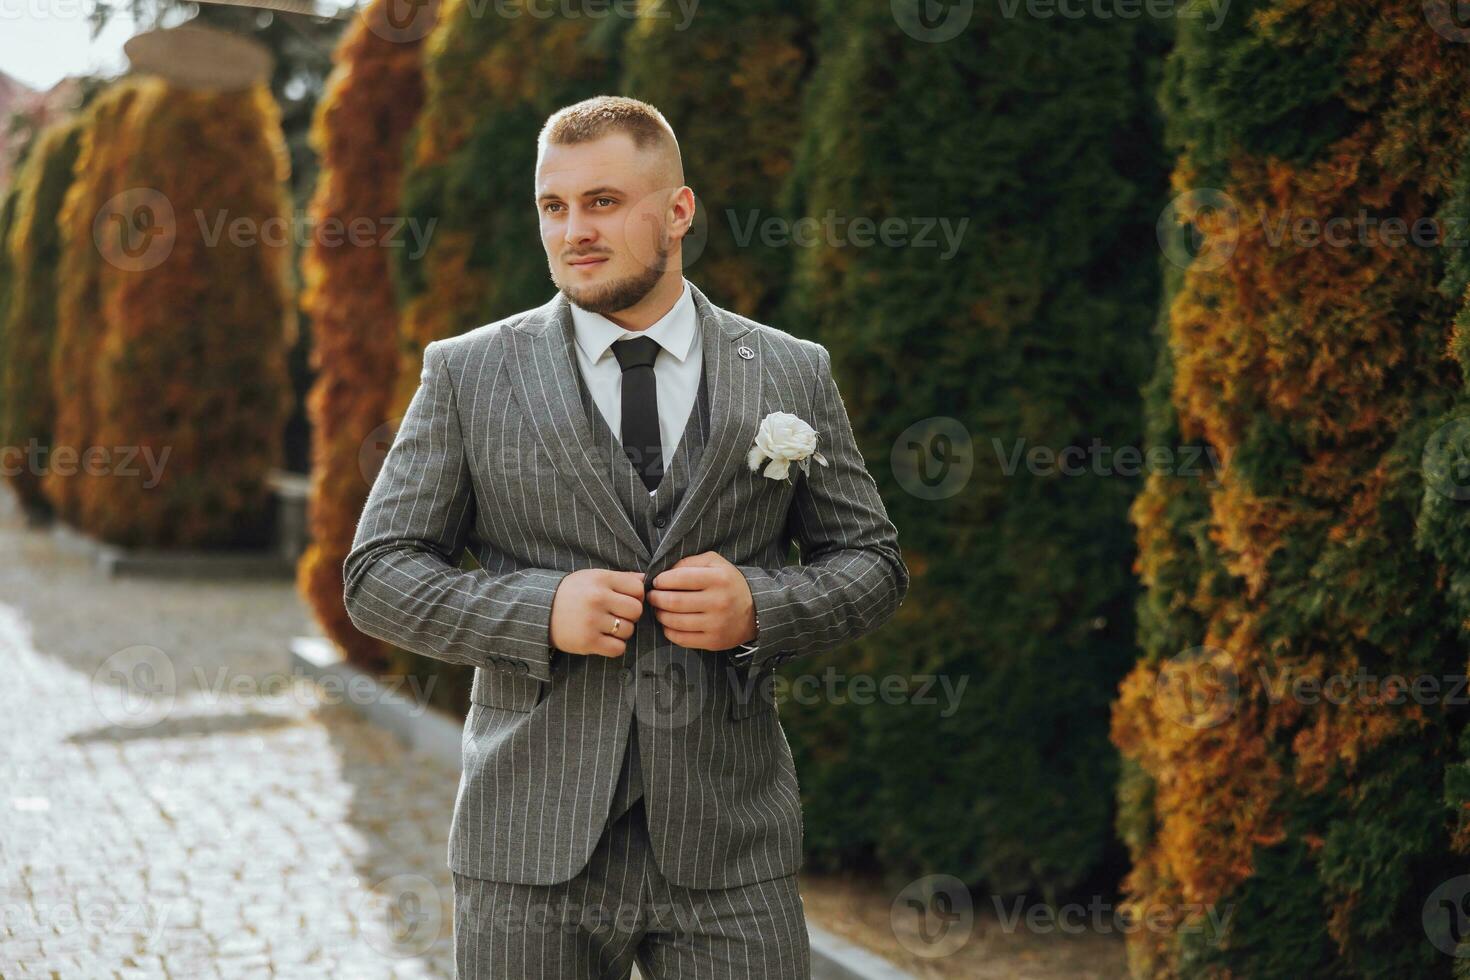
(852, 576)
(401, 580)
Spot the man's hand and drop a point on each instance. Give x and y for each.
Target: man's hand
(704, 603)
(583, 608)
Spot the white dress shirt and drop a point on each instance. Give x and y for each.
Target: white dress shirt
(676, 369)
(676, 372)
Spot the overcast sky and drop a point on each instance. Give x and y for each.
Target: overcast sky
(43, 41)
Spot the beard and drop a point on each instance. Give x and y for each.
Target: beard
(619, 294)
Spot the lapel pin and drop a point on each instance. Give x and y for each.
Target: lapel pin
(745, 352)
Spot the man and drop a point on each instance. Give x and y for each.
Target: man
(613, 460)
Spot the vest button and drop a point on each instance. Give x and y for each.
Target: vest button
(660, 521)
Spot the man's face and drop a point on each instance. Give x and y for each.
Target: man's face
(604, 221)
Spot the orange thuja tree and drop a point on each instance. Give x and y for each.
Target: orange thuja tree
(492, 77)
(195, 310)
(84, 287)
(1289, 729)
(8, 204)
(372, 100)
(27, 407)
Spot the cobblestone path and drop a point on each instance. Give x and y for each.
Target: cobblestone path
(175, 803)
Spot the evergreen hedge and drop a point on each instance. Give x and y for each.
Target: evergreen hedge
(730, 81)
(491, 80)
(8, 203)
(33, 247)
(85, 287)
(1041, 135)
(1274, 774)
(372, 99)
(192, 311)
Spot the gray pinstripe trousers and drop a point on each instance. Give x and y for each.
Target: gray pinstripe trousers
(620, 909)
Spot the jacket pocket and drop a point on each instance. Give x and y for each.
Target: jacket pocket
(500, 689)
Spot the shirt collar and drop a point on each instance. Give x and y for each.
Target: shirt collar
(674, 331)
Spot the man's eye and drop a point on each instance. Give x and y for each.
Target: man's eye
(607, 199)
(548, 207)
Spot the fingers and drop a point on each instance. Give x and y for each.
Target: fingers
(626, 583)
(686, 622)
(626, 607)
(681, 602)
(609, 646)
(688, 577)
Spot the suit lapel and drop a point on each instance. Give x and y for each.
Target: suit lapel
(541, 373)
(734, 399)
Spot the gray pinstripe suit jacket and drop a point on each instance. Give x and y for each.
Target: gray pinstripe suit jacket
(496, 454)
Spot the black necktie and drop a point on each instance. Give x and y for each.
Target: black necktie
(641, 440)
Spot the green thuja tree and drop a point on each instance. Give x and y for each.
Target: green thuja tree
(730, 80)
(986, 283)
(27, 404)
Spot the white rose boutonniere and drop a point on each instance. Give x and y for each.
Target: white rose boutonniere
(784, 439)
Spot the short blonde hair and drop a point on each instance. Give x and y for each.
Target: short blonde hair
(600, 115)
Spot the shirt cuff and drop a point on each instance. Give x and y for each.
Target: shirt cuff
(747, 650)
